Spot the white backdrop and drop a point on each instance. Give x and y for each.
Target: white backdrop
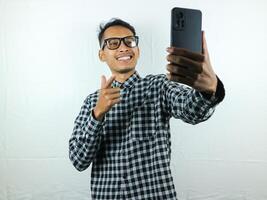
(49, 64)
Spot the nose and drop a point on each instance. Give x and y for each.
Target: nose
(123, 47)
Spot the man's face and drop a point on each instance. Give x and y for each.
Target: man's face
(123, 59)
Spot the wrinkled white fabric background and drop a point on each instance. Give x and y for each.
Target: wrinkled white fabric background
(49, 64)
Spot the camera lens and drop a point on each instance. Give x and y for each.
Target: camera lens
(181, 15)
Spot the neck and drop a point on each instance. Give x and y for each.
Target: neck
(122, 77)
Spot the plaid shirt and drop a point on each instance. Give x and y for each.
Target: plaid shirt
(130, 149)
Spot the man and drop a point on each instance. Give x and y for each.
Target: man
(123, 128)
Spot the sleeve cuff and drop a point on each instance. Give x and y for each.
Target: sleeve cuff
(219, 94)
(93, 125)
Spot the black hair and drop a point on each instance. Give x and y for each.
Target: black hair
(113, 22)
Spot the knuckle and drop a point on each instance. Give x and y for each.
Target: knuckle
(109, 103)
(178, 59)
(104, 92)
(178, 70)
(106, 96)
(182, 51)
(168, 67)
(201, 66)
(169, 57)
(202, 57)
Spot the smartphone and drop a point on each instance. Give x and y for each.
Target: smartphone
(186, 29)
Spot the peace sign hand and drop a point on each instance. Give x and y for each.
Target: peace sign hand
(108, 97)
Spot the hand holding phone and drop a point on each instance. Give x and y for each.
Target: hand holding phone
(188, 63)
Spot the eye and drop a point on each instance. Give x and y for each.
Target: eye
(113, 43)
(130, 41)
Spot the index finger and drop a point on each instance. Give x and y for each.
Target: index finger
(109, 81)
(185, 53)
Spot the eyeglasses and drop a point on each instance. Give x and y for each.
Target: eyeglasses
(114, 43)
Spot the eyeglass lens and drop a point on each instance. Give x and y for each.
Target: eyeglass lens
(114, 43)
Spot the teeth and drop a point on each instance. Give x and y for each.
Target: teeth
(125, 58)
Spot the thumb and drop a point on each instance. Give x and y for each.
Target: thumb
(103, 81)
(204, 44)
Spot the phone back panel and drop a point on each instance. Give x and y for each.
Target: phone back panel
(186, 29)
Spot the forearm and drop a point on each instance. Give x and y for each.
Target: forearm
(85, 142)
(195, 108)
(185, 103)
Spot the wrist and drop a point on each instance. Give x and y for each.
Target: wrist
(218, 94)
(97, 114)
(213, 87)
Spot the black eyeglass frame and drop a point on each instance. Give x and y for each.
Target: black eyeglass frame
(120, 39)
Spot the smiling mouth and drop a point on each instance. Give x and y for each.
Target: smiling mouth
(125, 58)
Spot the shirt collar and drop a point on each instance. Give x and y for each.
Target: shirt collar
(128, 83)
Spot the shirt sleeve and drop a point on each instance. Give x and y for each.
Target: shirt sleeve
(185, 103)
(86, 138)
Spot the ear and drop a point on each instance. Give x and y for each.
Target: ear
(138, 52)
(101, 55)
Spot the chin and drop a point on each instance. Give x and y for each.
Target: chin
(125, 70)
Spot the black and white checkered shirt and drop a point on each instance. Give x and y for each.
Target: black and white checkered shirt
(130, 148)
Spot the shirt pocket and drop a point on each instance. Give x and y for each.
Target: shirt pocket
(143, 121)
